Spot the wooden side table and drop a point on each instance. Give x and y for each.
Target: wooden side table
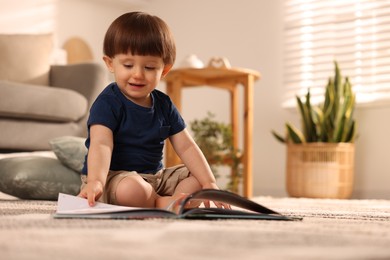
(225, 78)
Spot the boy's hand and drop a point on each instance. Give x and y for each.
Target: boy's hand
(92, 192)
(218, 204)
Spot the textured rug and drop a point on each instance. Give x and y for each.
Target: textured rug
(331, 229)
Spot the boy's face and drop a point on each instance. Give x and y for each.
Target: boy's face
(137, 76)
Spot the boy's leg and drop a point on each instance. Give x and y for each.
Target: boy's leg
(187, 186)
(176, 184)
(134, 191)
(183, 189)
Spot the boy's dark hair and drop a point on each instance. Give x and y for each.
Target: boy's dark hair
(140, 34)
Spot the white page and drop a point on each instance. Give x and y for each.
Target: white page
(68, 204)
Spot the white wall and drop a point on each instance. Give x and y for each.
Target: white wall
(86, 19)
(26, 16)
(249, 34)
(372, 165)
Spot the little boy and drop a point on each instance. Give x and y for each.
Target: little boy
(130, 120)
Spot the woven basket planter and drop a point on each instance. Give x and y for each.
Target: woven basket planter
(320, 170)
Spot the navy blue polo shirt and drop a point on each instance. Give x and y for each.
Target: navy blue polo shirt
(139, 132)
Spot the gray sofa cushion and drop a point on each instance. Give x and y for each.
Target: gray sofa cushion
(26, 57)
(37, 178)
(26, 101)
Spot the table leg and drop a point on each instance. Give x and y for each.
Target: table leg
(174, 89)
(248, 137)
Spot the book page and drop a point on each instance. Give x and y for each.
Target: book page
(69, 204)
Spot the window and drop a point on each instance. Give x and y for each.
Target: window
(355, 33)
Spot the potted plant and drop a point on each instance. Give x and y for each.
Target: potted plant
(320, 158)
(215, 139)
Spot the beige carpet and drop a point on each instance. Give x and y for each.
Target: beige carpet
(331, 229)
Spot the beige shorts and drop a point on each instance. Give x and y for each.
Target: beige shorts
(164, 182)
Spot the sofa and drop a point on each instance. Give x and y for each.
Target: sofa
(40, 101)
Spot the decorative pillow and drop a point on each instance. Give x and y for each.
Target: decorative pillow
(26, 57)
(70, 150)
(35, 177)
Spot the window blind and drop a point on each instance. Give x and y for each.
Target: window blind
(355, 33)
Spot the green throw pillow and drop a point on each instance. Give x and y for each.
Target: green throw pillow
(35, 177)
(70, 150)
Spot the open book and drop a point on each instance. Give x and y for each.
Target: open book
(76, 207)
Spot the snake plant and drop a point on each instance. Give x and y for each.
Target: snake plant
(330, 122)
